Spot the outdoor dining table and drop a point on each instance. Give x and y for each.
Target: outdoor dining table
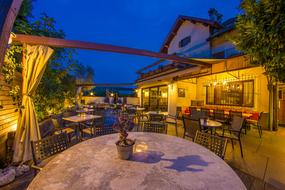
(159, 162)
(211, 124)
(80, 119)
(85, 110)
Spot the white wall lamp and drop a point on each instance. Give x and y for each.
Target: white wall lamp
(12, 35)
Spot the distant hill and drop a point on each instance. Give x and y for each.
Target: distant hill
(101, 91)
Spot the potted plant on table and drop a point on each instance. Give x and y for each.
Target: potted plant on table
(124, 145)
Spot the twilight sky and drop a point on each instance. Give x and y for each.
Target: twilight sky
(142, 24)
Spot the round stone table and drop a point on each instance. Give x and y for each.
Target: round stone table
(159, 162)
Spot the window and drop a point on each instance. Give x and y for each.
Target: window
(239, 93)
(155, 98)
(185, 41)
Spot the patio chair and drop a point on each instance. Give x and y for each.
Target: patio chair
(192, 109)
(190, 126)
(142, 118)
(214, 143)
(46, 148)
(205, 112)
(157, 117)
(239, 114)
(155, 127)
(172, 120)
(60, 128)
(258, 123)
(90, 127)
(219, 115)
(235, 131)
(103, 130)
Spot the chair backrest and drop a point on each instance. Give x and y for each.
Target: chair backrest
(131, 110)
(193, 110)
(103, 130)
(235, 113)
(237, 123)
(155, 127)
(263, 120)
(157, 117)
(178, 112)
(46, 128)
(49, 146)
(214, 143)
(191, 126)
(219, 114)
(205, 112)
(99, 122)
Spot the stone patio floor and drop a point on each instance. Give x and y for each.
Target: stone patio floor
(263, 165)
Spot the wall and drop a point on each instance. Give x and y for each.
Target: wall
(190, 93)
(260, 85)
(198, 47)
(222, 42)
(97, 99)
(8, 115)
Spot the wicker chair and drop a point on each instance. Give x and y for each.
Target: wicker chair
(155, 127)
(191, 126)
(235, 131)
(47, 147)
(214, 143)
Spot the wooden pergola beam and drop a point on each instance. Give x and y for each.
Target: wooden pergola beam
(150, 66)
(8, 14)
(112, 85)
(56, 42)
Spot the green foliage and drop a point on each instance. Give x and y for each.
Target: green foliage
(261, 35)
(58, 85)
(215, 15)
(12, 63)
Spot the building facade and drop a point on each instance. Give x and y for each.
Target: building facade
(229, 82)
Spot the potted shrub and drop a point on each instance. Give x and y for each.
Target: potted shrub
(124, 145)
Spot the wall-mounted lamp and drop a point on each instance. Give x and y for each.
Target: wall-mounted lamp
(12, 35)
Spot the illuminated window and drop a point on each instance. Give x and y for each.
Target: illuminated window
(239, 93)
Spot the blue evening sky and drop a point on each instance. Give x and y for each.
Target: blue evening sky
(142, 24)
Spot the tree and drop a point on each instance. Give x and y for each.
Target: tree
(59, 80)
(261, 36)
(215, 15)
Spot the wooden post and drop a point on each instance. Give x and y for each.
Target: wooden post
(8, 14)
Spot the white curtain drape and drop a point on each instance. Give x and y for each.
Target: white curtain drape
(34, 64)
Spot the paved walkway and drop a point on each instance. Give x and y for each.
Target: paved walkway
(263, 165)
